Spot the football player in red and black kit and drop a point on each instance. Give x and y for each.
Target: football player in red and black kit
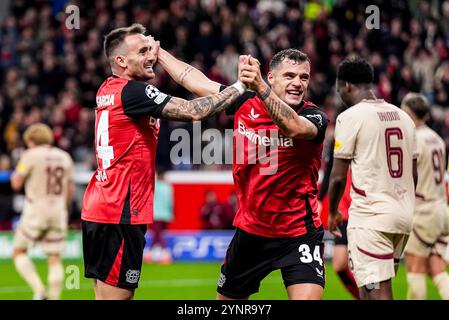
(118, 203)
(278, 226)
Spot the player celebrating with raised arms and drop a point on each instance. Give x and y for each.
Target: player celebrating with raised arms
(118, 203)
(278, 226)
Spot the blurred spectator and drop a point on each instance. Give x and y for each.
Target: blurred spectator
(216, 215)
(6, 193)
(444, 21)
(227, 63)
(232, 204)
(423, 67)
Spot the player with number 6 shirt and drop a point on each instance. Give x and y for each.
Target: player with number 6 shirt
(378, 141)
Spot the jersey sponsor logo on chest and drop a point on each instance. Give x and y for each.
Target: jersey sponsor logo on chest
(262, 139)
(106, 100)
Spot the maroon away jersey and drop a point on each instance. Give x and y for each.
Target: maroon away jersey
(275, 176)
(126, 130)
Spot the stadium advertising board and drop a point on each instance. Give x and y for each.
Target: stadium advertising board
(183, 245)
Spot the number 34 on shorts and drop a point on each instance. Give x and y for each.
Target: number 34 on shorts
(308, 256)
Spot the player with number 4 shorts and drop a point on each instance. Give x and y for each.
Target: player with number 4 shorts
(118, 202)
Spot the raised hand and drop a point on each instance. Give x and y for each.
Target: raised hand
(251, 75)
(243, 60)
(155, 45)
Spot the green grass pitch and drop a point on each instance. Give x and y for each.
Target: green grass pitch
(181, 281)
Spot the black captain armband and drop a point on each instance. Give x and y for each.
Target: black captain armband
(319, 119)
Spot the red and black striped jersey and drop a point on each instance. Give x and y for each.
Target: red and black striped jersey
(126, 132)
(275, 176)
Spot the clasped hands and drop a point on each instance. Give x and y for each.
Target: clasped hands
(250, 74)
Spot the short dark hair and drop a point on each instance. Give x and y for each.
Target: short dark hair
(114, 38)
(417, 103)
(355, 71)
(291, 54)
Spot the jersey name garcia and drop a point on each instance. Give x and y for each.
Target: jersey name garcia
(126, 134)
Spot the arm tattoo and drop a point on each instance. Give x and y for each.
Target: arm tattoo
(265, 94)
(279, 111)
(310, 127)
(184, 74)
(200, 108)
(286, 118)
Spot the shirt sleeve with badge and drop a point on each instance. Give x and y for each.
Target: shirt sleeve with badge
(141, 99)
(346, 130)
(319, 119)
(25, 164)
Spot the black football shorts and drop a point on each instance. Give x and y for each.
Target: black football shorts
(250, 258)
(113, 252)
